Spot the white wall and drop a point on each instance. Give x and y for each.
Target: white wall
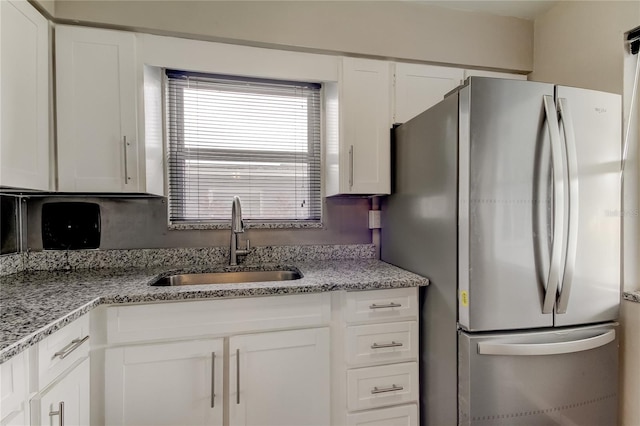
(581, 44)
(387, 29)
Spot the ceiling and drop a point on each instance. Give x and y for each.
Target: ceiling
(525, 9)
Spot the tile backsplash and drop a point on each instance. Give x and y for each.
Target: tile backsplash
(53, 260)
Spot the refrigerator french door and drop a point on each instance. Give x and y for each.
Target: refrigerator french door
(539, 199)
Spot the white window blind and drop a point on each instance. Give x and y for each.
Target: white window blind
(258, 139)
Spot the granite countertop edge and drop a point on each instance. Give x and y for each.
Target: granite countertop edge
(40, 303)
(632, 296)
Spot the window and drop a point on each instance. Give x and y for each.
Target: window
(258, 139)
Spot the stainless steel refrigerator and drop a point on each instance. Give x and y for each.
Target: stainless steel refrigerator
(506, 195)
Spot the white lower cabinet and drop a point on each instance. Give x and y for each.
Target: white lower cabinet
(61, 377)
(282, 378)
(177, 383)
(14, 390)
(405, 415)
(376, 370)
(245, 361)
(66, 401)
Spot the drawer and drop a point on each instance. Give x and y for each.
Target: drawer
(406, 415)
(62, 349)
(13, 385)
(181, 320)
(382, 343)
(382, 305)
(382, 386)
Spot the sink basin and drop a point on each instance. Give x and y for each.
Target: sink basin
(227, 277)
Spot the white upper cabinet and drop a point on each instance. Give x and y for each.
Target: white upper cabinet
(494, 74)
(24, 89)
(97, 86)
(358, 128)
(419, 87)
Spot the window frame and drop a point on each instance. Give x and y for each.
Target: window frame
(314, 154)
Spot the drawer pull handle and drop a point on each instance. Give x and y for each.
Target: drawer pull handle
(59, 413)
(75, 344)
(386, 345)
(392, 388)
(388, 305)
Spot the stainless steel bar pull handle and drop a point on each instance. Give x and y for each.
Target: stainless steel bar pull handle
(572, 232)
(59, 413)
(127, 178)
(392, 388)
(386, 345)
(530, 349)
(558, 205)
(387, 305)
(213, 379)
(237, 376)
(351, 167)
(75, 344)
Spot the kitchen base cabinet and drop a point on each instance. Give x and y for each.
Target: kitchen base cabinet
(405, 415)
(375, 338)
(282, 378)
(66, 398)
(236, 361)
(177, 383)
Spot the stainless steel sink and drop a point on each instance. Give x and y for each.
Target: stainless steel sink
(227, 277)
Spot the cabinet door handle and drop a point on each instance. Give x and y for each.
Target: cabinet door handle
(126, 166)
(237, 376)
(392, 388)
(386, 345)
(351, 167)
(213, 379)
(387, 305)
(59, 413)
(75, 344)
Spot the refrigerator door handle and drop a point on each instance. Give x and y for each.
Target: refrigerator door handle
(558, 205)
(530, 349)
(572, 232)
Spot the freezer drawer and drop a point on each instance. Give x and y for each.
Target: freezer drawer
(559, 377)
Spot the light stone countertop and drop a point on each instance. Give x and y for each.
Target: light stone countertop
(632, 296)
(35, 304)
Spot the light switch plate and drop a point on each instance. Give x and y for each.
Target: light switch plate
(374, 219)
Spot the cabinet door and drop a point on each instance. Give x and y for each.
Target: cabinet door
(177, 383)
(280, 378)
(96, 99)
(419, 87)
(493, 74)
(67, 398)
(364, 119)
(24, 110)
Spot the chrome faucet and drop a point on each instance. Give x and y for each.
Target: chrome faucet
(237, 227)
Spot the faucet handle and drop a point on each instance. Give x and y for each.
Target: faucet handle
(248, 247)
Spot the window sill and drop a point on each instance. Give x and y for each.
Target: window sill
(247, 225)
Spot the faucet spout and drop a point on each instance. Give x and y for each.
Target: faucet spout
(237, 227)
